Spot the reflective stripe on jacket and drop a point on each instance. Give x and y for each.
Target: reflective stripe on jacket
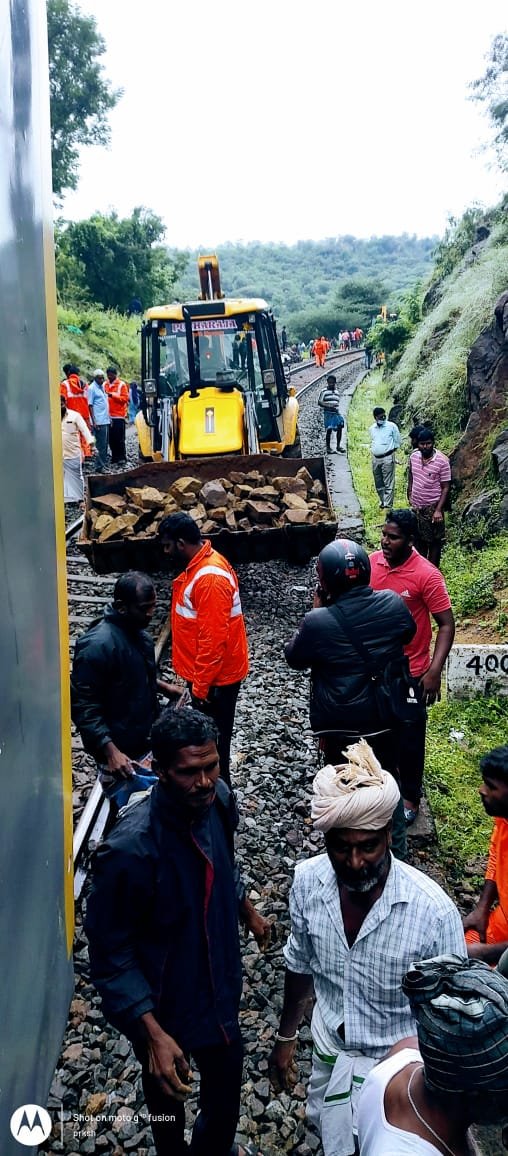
(208, 630)
(73, 391)
(118, 397)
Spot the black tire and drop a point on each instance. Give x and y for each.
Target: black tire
(294, 451)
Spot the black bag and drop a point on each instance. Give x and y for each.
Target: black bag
(399, 696)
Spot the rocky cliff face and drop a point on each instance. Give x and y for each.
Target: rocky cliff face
(487, 383)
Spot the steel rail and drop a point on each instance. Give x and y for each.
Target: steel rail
(352, 357)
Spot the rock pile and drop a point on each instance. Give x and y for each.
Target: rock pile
(243, 501)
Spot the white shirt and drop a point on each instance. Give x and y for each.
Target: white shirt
(376, 1136)
(360, 986)
(384, 438)
(73, 424)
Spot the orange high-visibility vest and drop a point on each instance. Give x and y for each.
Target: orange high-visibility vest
(118, 397)
(209, 641)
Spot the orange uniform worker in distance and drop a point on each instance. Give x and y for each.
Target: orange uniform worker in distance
(486, 927)
(209, 640)
(321, 347)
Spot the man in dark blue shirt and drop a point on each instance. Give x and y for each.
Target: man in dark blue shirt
(162, 925)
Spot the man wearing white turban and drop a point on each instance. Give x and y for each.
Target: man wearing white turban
(359, 919)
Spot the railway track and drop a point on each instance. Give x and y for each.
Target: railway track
(88, 593)
(274, 762)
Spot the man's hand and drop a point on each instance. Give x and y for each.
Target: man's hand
(118, 763)
(260, 927)
(168, 1065)
(437, 516)
(172, 690)
(477, 920)
(431, 683)
(282, 1067)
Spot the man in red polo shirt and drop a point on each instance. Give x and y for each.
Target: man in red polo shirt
(398, 566)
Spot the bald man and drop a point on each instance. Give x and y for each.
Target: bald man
(359, 917)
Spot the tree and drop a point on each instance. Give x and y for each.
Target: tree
(80, 95)
(310, 323)
(493, 89)
(358, 300)
(115, 260)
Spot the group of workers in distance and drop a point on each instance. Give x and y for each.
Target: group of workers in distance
(409, 1021)
(94, 415)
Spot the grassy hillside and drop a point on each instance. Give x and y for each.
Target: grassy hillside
(95, 338)
(430, 377)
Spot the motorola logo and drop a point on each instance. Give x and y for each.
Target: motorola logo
(30, 1125)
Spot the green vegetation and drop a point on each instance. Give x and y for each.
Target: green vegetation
(492, 89)
(305, 278)
(452, 776)
(109, 261)
(372, 391)
(473, 578)
(91, 337)
(81, 96)
(430, 377)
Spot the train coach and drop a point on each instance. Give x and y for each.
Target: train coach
(36, 908)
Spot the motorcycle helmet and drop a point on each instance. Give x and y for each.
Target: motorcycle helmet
(342, 565)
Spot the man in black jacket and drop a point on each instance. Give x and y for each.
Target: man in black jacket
(162, 924)
(343, 706)
(114, 687)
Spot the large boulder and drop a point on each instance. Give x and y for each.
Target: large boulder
(500, 460)
(487, 385)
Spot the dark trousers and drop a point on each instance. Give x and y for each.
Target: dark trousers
(221, 707)
(101, 446)
(411, 759)
(220, 1069)
(386, 749)
(117, 439)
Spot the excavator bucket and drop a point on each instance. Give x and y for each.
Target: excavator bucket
(209, 278)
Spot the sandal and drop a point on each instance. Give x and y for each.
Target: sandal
(410, 815)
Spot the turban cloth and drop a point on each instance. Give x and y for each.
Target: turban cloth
(461, 1008)
(357, 794)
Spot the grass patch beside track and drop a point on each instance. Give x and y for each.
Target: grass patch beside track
(372, 391)
(452, 776)
(473, 579)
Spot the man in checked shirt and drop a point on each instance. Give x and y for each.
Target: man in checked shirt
(359, 919)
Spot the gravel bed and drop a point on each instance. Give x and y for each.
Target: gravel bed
(274, 760)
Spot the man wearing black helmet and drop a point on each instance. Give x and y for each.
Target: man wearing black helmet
(343, 705)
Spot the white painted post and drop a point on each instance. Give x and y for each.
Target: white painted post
(477, 670)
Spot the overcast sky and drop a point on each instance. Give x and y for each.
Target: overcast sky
(282, 121)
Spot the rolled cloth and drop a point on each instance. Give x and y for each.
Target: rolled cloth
(461, 1008)
(357, 794)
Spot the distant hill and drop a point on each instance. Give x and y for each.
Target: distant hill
(292, 277)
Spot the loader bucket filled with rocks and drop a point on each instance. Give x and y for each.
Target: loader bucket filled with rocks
(253, 509)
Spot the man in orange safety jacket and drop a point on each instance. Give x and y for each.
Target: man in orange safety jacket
(321, 347)
(73, 391)
(117, 392)
(207, 627)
